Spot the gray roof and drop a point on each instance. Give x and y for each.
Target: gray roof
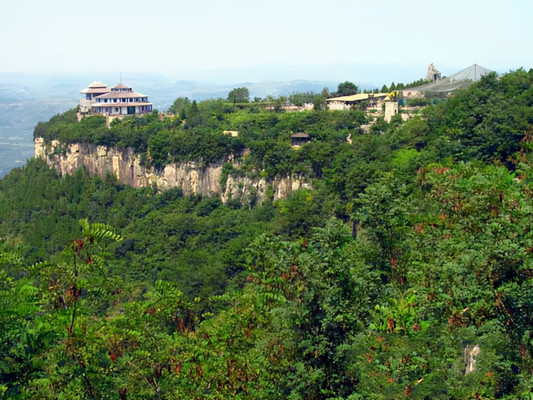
(120, 95)
(97, 84)
(300, 135)
(121, 86)
(95, 90)
(96, 87)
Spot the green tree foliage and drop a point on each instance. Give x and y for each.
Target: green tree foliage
(301, 98)
(180, 107)
(411, 247)
(487, 121)
(347, 88)
(239, 95)
(159, 147)
(456, 231)
(51, 129)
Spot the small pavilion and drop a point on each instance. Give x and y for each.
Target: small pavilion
(92, 91)
(299, 139)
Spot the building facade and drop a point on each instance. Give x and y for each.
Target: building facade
(373, 100)
(94, 90)
(120, 100)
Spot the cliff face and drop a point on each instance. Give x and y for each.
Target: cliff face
(126, 166)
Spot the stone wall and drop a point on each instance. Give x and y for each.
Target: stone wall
(391, 109)
(128, 169)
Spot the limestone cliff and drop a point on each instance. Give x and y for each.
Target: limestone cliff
(128, 168)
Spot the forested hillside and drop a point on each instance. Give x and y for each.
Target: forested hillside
(406, 272)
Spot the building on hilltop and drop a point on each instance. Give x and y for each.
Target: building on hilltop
(446, 86)
(118, 101)
(121, 100)
(373, 100)
(94, 90)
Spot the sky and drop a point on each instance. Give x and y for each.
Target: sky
(260, 40)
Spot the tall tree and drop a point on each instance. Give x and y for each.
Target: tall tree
(179, 106)
(239, 95)
(347, 88)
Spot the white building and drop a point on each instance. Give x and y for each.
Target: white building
(94, 90)
(118, 101)
(374, 100)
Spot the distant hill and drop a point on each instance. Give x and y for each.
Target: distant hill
(164, 96)
(10, 93)
(161, 91)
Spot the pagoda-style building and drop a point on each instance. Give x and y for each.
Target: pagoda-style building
(94, 90)
(120, 100)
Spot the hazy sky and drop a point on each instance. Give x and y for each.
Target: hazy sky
(187, 39)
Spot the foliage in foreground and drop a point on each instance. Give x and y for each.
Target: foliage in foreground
(386, 315)
(413, 247)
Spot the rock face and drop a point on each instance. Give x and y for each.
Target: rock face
(127, 167)
(470, 355)
(433, 75)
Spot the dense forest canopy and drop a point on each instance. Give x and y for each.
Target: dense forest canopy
(405, 273)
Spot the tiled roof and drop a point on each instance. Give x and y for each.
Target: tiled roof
(121, 86)
(95, 90)
(120, 95)
(97, 84)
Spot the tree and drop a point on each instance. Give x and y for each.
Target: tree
(179, 106)
(194, 108)
(319, 100)
(300, 98)
(69, 294)
(319, 103)
(158, 146)
(239, 95)
(347, 88)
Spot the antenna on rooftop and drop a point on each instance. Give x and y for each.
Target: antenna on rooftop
(120, 76)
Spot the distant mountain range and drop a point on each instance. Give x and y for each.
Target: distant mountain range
(164, 96)
(161, 92)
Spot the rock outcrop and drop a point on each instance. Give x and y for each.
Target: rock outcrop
(128, 168)
(433, 75)
(470, 355)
